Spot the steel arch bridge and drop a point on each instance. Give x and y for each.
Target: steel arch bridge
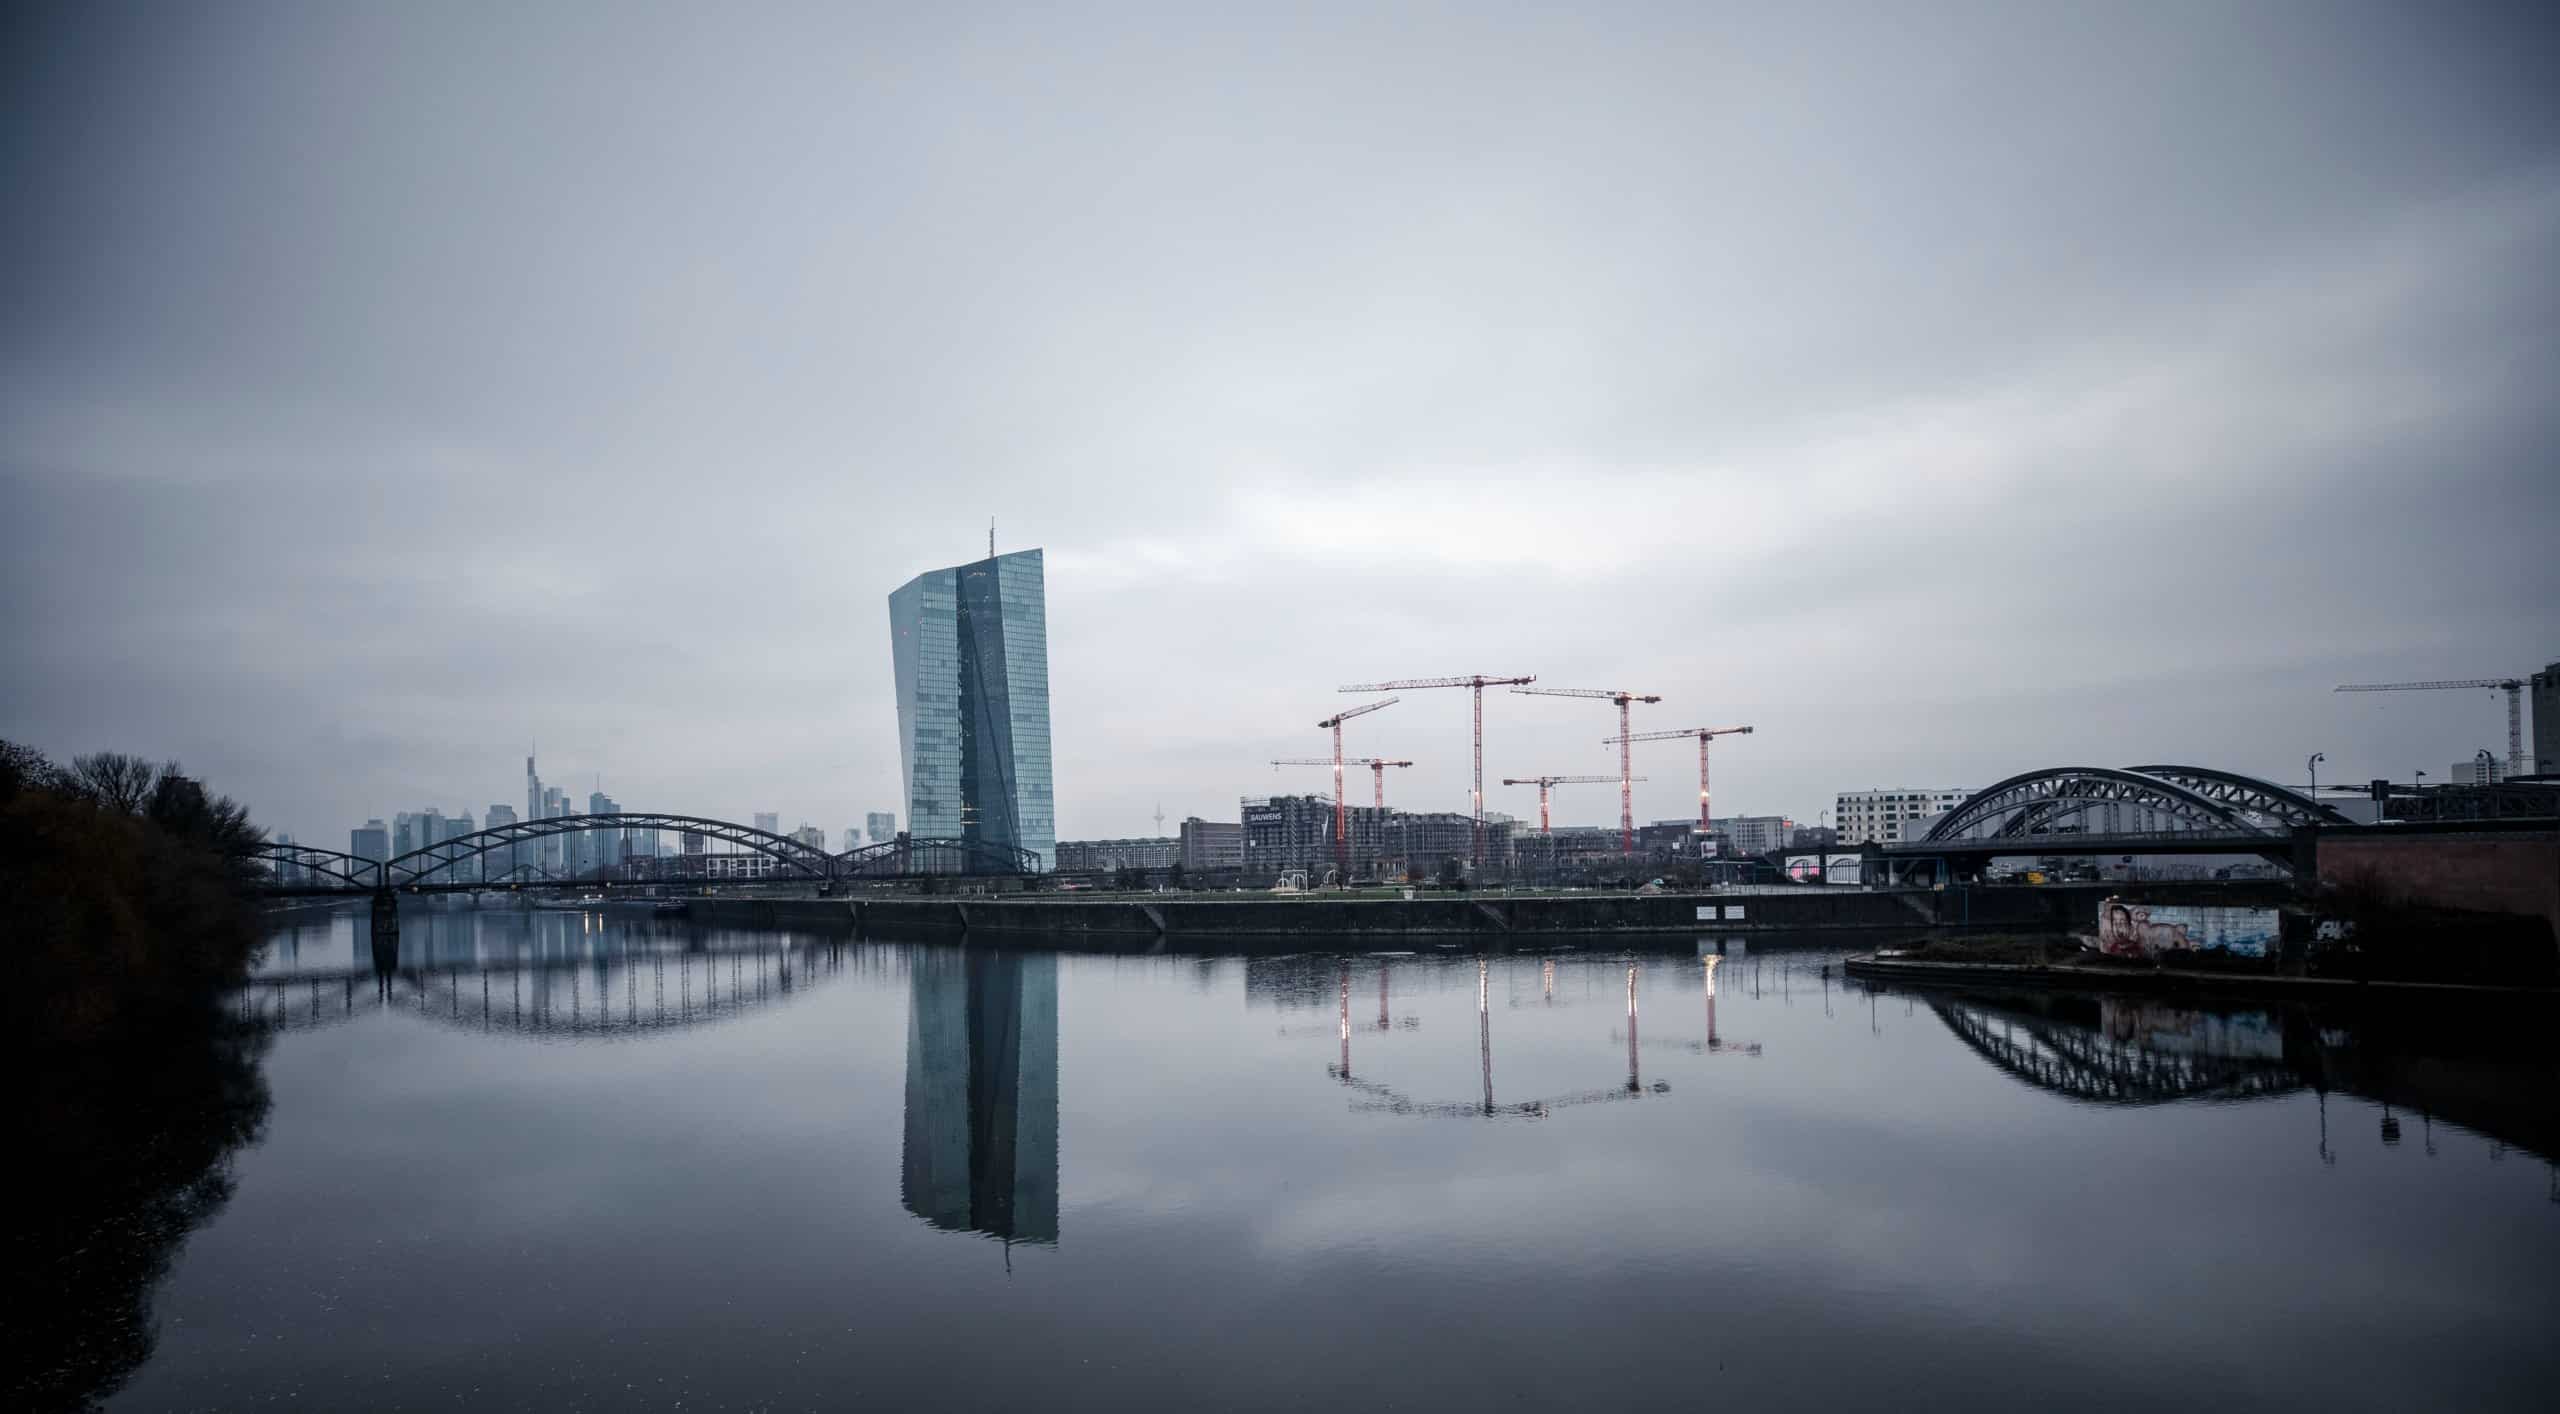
(445, 865)
(2192, 798)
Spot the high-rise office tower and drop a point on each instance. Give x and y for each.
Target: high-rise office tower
(882, 824)
(532, 791)
(769, 821)
(502, 861)
(971, 649)
(555, 848)
(455, 827)
(981, 1147)
(604, 847)
(2546, 721)
(370, 840)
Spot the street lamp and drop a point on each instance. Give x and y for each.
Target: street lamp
(2314, 764)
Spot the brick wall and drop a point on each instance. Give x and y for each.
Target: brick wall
(2506, 873)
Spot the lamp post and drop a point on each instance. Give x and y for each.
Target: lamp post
(2314, 765)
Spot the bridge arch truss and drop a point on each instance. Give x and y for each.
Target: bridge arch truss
(2192, 797)
(437, 863)
(905, 857)
(299, 860)
(2248, 794)
(502, 861)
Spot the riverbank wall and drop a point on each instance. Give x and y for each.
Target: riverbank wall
(816, 914)
(1205, 918)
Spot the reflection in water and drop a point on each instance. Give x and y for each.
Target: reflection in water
(549, 975)
(981, 1148)
(2124, 1051)
(2461, 1065)
(445, 1216)
(1283, 979)
(119, 1159)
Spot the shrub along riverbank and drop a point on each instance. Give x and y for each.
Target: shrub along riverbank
(123, 899)
(125, 913)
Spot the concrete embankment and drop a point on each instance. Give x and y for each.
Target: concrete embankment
(816, 914)
(1206, 918)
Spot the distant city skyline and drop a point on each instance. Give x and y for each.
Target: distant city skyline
(541, 801)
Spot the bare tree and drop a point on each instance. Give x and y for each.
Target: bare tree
(112, 780)
(180, 806)
(24, 768)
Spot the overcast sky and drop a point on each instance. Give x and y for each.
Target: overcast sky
(1944, 390)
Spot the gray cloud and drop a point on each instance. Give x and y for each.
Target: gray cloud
(1945, 392)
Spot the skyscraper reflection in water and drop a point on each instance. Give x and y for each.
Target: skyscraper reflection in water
(981, 1149)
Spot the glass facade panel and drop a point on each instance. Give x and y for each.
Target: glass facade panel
(970, 645)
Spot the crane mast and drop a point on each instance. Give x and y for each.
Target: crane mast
(1705, 736)
(1377, 770)
(1626, 764)
(1543, 782)
(1342, 813)
(1477, 682)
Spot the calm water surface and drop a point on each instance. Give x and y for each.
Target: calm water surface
(586, 1161)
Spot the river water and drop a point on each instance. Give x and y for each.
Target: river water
(594, 1161)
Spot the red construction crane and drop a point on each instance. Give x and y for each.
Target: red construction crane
(2514, 688)
(1341, 815)
(1377, 769)
(1704, 735)
(1479, 682)
(1542, 782)
(1626, 775)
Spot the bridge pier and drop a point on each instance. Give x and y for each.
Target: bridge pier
(386, 931)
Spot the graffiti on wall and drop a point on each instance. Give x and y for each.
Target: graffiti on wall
(2154, 930)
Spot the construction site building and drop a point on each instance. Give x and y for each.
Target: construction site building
(1293, 832)
(1418, 843)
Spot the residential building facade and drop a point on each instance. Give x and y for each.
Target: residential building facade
(1104, 856)
(1886, 816)
(1754, 834)
(1212, 844)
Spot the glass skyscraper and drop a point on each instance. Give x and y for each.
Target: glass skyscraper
(971, 647)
